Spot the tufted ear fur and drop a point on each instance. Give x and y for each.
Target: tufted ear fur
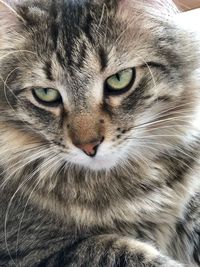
(155, 8)
(8, 15)
(10, 23)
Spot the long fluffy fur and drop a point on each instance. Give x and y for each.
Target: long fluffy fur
(137, 202)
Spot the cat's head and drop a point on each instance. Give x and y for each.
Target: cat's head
(93, 83)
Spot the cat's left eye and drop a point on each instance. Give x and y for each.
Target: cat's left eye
(47, 96)
(121, 82)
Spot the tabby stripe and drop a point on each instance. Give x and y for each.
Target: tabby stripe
(61, 59)
(103, 58)
(82, 56)
(54, 25)
(48, 70)
(87, 28)
(135, 97)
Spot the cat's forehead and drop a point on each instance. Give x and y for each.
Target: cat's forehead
(76, 35)
(77, 29)
(75, 41)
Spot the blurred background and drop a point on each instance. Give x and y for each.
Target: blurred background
(188, 4)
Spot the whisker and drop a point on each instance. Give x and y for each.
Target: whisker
(13, 11)
(6, 219)
(175, 107)
(16, 155)
(16, 52)
(178, 149)
(63, 165)
(31, 159)
(171, 127)
(167, 154)
(46, 165)
(102, 15)
(7, 100)
(167, 147)
(156, 135)
(9, 206)
(155, 121)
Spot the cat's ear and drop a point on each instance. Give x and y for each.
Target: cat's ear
(154, 8)
(9, 16)
(154, 3)
(11, 23)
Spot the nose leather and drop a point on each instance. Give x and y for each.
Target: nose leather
(91, 148)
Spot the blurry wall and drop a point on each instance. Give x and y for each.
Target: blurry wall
(188, 4)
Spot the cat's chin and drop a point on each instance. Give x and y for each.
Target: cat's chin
(97, 164)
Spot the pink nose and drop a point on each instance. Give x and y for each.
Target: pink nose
(90, 149)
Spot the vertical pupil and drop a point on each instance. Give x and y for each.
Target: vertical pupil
(46, 91)
(118, 76)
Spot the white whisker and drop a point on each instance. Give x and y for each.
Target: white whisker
(165, 153)
(177, 118)
(50, 163)
(13, 10)
(16, 52)
(30, 159)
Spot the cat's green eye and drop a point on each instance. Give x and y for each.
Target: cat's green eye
(121, 82)
(47, 95)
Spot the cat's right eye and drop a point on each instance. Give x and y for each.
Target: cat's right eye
(47, 96)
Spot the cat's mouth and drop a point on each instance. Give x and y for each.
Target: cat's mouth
(103, 159)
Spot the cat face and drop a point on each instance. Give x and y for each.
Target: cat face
(100, 84)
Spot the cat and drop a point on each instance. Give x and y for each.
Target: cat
(99, 135)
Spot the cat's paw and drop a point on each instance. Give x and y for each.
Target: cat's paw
(140, 261)
(165, 262)
(114, 251)
(138, 254)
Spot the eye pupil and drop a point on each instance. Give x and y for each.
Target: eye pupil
(118, 76)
